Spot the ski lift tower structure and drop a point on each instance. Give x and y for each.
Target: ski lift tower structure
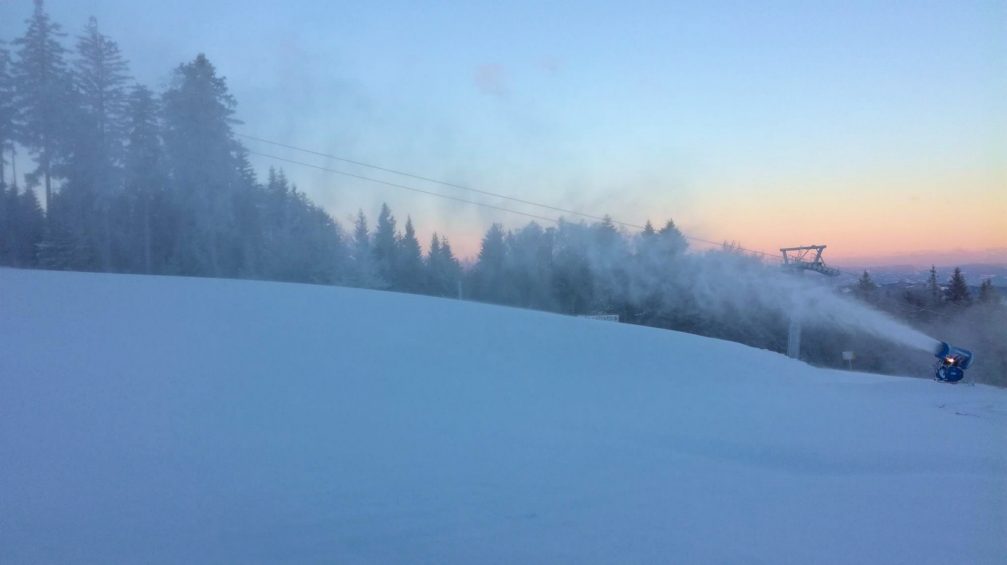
(797, 260)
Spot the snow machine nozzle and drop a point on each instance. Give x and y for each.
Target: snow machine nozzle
(952, 362)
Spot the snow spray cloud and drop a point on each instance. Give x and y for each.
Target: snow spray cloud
(744, 281)
(731, 287)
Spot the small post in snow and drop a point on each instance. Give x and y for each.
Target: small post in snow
(848, 357)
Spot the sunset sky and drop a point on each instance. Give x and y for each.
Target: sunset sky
(878, 128)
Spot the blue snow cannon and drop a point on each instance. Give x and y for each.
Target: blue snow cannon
(952, 362)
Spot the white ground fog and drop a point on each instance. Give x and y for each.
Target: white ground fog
(154, 420)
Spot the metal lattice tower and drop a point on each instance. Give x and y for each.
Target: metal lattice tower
(797, 260)
(807, 258)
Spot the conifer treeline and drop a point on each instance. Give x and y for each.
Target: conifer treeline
(137, 181)
(143, 182)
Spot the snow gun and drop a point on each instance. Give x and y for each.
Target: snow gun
(952, 362)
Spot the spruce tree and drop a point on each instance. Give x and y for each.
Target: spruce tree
(490, 271)
(44, 94)
(22, 227)
(672, 242)
(7, 114)
(573, 280)
(432, 282)
(206, 166)
(958, 289)
(988, 293)
(30, 228)
(101, 75)
(94, 180)
(364, 273)
(529, 266)
(933, 288)
(443, 269)
(866, 288)
(144, 182)
(8, 205)
(385, 246)
(409, 261)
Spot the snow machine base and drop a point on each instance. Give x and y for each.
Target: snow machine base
(952, 362)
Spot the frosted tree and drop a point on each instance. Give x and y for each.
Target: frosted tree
(443, 269)
(409, 272)
(866, 289)
(988, 293)
(384, 246)
(7, 112)
(489, 275)
(529, 266)
(44, 94)
(101, 75)
(671, 241)
(933, 287)
(958, 289)
(94, 177)
(206, 166)
(144, 182)
(573, 279)
(363, 271)
(22, 226)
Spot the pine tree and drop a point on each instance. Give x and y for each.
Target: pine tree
(490, 271)
(672, 242)
(144, 182)
(958, 289)
(573, 279)
(934, 288)
(409, 261)
(8, 112)
(385, 246)
(529, 266)
(101, 75)
(866, 288)
(8, 207)
(94, 179)
(443, 269)
(364, 272)
(433, 283)
(988, 293)
(44, 94)
(207, 168)
(21, 229)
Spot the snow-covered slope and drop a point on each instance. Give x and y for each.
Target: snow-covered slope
(156, 419)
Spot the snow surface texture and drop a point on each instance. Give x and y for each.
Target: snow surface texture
(172, 420)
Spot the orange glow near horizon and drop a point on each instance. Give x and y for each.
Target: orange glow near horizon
(875, 217)
(863, 221)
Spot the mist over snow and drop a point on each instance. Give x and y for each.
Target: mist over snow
(729, 284)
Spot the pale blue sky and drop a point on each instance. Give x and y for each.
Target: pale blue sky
(772, 123)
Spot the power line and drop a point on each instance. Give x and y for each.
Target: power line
(440, 182)
(459, 187)
(404, 187)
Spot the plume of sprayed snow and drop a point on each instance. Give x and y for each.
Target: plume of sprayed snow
(723, 276)
(727, 286)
